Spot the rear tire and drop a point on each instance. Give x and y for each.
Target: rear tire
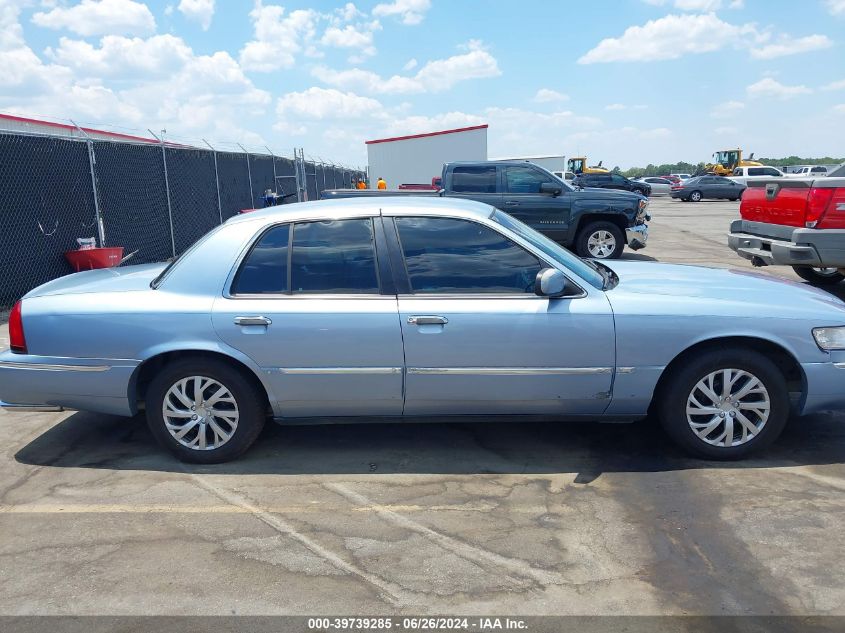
(695, 196)
(600, 240)
(753, 420)
(214, 423)
(819, 276)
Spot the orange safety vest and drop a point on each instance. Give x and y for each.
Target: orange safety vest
(382, 184)
(362, 184)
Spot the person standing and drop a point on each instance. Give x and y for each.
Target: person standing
(381, 184)
(362, 184)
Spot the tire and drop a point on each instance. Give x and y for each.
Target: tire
(683, 384)
(600, 237)
(695, 196)
(734, 199)
(246, 409)
(819, 276)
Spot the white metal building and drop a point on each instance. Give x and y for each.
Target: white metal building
(418, 158)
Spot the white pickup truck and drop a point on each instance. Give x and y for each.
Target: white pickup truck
(812, 171)
(744, 175)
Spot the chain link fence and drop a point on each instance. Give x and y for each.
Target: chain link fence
(152, 199)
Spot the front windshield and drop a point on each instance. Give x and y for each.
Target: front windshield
(553, 250)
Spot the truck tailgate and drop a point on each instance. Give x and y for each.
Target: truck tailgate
(776, 201)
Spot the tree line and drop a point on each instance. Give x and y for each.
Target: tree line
(690, 168)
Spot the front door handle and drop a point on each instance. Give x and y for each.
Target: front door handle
(252, 320)
(512, 203)
(427, 320)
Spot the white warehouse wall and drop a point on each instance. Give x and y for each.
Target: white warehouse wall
(419, 158)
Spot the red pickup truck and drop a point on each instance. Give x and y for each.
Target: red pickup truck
(796, 222)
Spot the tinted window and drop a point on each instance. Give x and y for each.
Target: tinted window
(265, 269)
(444, 255)
(474, 179)
(757, 171)
(619, 180)
(524, 180)
(818, 170)
(335, 256)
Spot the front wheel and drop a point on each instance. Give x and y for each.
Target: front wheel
(695, 196)
(600, 240)
(819, 276)
(724, 405)
(204, 410)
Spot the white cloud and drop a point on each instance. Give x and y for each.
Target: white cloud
(410, 64)
(546, 95)
(836, 7)
(410, 11)
(354, 36)
(122, 56)
(326, 103)
(835, 85)
(671, 37)
(728, 108)
(768, 87)
(278, 38)
(787, 46)
(614, 106)
(698, 5)
(839, 109)
(435, 76)
(99, 17)
(200, 11)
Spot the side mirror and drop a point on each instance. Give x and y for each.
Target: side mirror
(550, 187)
(550, 282)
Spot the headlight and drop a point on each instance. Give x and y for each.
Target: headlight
(830, 337)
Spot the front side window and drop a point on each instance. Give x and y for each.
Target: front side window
(617, 179)
(330, 257)
(474, 179)
(445, 255)
(525, 180)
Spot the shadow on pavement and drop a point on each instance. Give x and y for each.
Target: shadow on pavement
(87, 440)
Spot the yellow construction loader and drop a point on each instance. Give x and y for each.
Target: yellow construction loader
(726, 160)
(578, 165)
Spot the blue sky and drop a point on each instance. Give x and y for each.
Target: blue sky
(625, 81)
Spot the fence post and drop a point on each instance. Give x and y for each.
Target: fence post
(248, 175)
(167, 190)
(92, 160)
(216, 181)
(301, 176)
(273, 158)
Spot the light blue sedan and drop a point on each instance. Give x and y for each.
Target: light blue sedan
(404, 308)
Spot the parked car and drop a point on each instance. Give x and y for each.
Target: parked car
(798, 223)
(418, 308)
(659, 186)
(701, 187)
(594, 223)
(682, 176)
(811, 171)
(744, 175)
(612, 181)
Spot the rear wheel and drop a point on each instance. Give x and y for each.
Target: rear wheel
(819, 276)
(695, 196)
(204, 410)
(724, 405)
(600, 240)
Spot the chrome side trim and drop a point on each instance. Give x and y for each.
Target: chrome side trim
(839, 365)
(47, 367)
(625, 370)
(306, 371)
(40, 408)
(510, 371)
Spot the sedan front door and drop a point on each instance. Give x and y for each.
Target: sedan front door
(311, 306)
(478, 340)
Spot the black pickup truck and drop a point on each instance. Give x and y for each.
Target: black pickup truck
(594, 223)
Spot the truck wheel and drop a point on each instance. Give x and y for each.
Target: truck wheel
(819, 276)
(724, 404)
(600, 240)
(695, 196)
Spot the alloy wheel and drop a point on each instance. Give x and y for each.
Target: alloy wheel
(200, 413)
(728, 407)
(601, 244)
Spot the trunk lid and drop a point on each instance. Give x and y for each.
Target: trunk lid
(776, 201)
(121, 279)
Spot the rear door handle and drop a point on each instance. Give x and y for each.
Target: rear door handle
(252, 320)
(512, 203)
(427, 320)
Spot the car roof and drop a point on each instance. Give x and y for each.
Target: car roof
(341, 208)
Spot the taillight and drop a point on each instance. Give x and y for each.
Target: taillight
(832, 214)
(16, 338)
(817, 202)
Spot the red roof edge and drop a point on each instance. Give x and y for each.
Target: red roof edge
(405, 138)
(65, 126)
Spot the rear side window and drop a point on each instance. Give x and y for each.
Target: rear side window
(474, 179)
(334, 257)
(445, 255)
(758, 171)
(331, 257)
(265, 269)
